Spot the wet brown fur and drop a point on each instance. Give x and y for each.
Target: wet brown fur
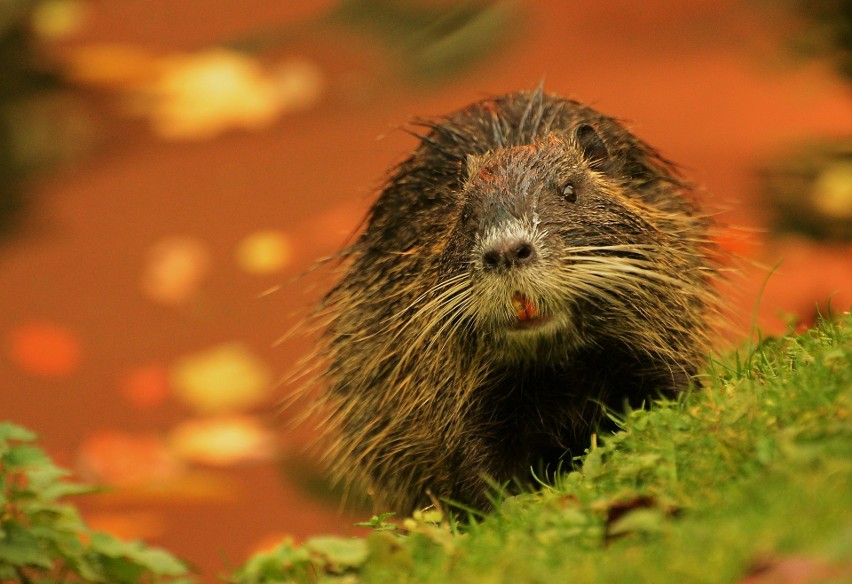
(427, 388)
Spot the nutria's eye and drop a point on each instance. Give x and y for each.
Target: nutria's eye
(569, 192)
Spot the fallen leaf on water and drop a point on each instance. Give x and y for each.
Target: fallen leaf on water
(222, 441)
(121, 459)
(832, 191)
(199, 95)
(299, 84)
(224, 378)
(174, 269)
(191, 487)
(55, 20)
(146, 386)
(45, 349)
(264, 252)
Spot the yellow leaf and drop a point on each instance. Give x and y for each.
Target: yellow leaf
(200, 95)
(832, 191)
(264, 252)
(223, 440)
(58, 19)
(225, 378)
(174, 269)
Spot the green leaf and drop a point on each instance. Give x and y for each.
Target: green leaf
(337, 551)
(46, 537)
(24, 455)
(285, 563)
(120, 570)
(9, 431)
(20, 547)
(156, 560)
(61, 490)
(378, 522)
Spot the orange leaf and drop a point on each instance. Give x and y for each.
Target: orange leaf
(146, 386)
(45, 349)
(122, 459)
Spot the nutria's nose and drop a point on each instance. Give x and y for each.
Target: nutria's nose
(509, 253)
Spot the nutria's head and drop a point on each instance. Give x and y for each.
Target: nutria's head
(548, 245)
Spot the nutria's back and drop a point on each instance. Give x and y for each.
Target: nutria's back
(528, 263)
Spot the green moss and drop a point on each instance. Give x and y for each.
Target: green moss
(749, 473)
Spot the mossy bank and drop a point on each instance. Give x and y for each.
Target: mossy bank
(749, 477)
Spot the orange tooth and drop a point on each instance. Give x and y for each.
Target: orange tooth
(524, 307)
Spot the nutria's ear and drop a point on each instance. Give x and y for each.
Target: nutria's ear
(590, 142)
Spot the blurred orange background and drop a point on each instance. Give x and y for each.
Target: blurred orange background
(208, 153)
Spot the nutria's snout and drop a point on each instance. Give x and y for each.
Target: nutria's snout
(509, 262)
(509, 253)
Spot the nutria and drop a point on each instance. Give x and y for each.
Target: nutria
(529, 266)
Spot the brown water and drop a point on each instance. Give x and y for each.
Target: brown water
(704, 81)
